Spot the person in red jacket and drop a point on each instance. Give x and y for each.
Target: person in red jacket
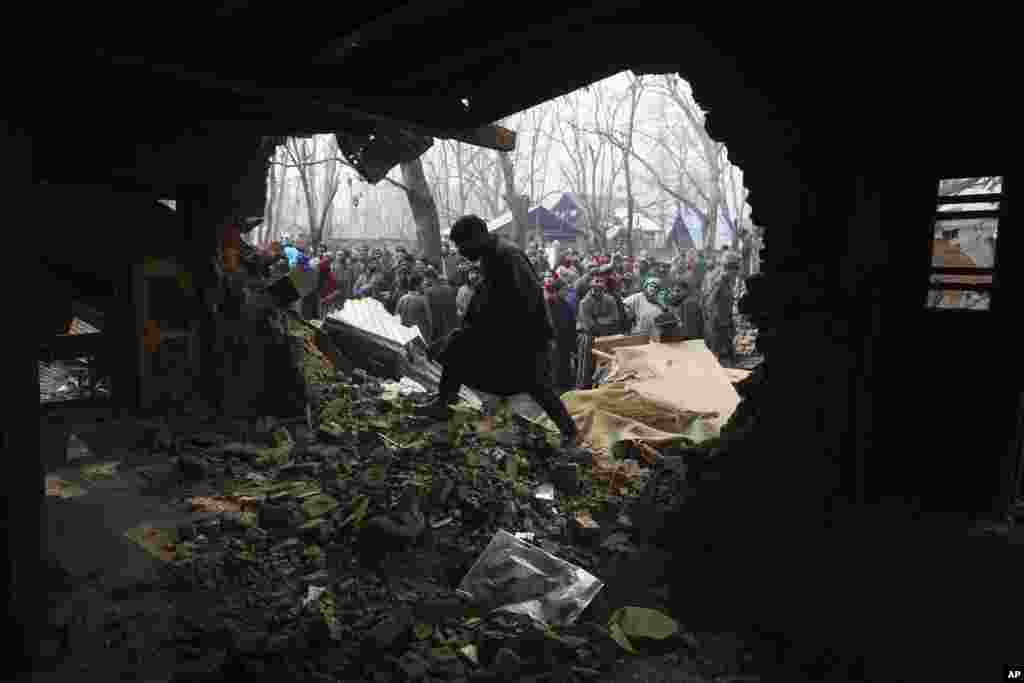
(329, 291)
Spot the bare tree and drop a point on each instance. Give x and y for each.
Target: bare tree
(303, 155)
(593, 166)
(623, 140)
(517, 203)
(424, 209)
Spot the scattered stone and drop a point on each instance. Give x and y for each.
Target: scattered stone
(583, 529)
(186, 531)
(317, 578)
(233, 522)
(299, 470)
(319, 505)
(507, 664)
(273, 516)
(250, 642)
(193, 468)
(618, 542)
(413, 666)
(208, 439)
(388, 633)
(437, 610)
(566, 478)
(442, 488)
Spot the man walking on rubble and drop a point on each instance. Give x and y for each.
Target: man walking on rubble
(504, 346)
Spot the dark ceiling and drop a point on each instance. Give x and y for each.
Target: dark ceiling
(120, 73)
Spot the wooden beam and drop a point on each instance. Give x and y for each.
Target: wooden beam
(551, 29)
(489, 137)
(381, 29)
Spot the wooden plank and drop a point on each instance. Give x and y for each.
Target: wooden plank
(615, 341)
(601, 355)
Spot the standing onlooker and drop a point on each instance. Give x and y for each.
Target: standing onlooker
(598, 316)
(643, 308)
(720, 330)
(563, 320)
(413, 310)
(444, 312)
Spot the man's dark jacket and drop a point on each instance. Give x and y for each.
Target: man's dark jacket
(506, 326)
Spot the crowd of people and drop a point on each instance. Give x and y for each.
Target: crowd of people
(587, 294)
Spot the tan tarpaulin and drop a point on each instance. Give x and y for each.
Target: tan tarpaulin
(656, 394)
(615, 412)
(685, 375)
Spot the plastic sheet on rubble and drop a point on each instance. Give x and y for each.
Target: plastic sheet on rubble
(370, 315)
(514, 576)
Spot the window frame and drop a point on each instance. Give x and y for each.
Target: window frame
(1000, 213)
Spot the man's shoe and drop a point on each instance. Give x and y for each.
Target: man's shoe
(437, 411)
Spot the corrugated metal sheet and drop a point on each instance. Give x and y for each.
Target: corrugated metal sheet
(370, 315)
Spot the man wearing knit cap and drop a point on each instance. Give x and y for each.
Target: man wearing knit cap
(598, 316)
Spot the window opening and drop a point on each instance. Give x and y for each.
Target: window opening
(964, 238)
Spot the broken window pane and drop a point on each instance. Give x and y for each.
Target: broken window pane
(946, 299)
(971, 206)
(958, 187)
(965, 243)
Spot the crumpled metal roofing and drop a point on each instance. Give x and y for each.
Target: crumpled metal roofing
(370, 315)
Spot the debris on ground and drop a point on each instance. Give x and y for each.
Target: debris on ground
(387, 549)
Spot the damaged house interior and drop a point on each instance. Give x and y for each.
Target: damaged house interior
(843, 532)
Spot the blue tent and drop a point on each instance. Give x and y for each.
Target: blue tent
(553, 227)
(680, 234)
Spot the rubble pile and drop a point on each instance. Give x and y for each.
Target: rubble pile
(353, 552)
(341, 557)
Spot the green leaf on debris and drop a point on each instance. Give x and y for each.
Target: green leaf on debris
(312, 552)
(470, 653)
(319, 505)
(640, 622)
(620, 637)
(280, 437)
(327, 607)
(423, 631)
(247, 553)
(512, 462)
(333, 428)
(360, 506)
(273, 457)
(103, 470)
(376, 474)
